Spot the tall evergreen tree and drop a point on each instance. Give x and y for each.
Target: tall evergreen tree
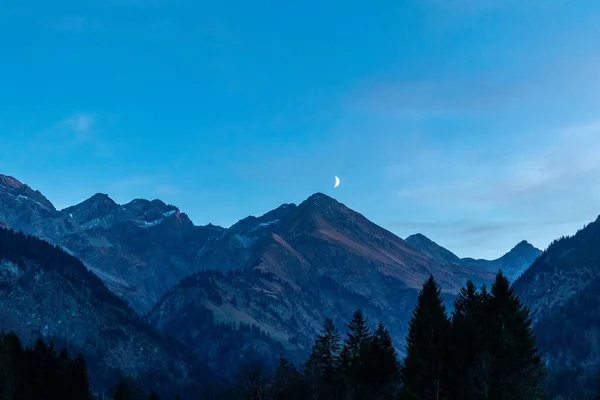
(64, 365)
(354, 356)
(382, 365)
(7, 370)
(467, 340)
(16, 354)
(78, 378)
(323, 364)
(517, 366)
(426, 343)
(289, 383)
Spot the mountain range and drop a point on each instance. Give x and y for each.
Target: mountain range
(512, 264)
(265, 283)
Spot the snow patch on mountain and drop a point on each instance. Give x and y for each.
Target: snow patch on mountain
(265, 224)
(170, 213)
(146, 224)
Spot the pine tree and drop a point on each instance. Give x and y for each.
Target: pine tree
(516, 363)
(382, 365)
(16, 354)
(289, 383)
(467, 340)
(426, 344)
(354, 356)
(7, 370)
(63, 366)
(79, 380)
(324, 361)
(39, 364)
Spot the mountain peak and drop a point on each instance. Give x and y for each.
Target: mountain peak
(431, 249)
(524, 245)
(320, 200)
(101, 197)
(10, 181)
(318, 196)
(418, 237)
(24, 194)
(97, 206)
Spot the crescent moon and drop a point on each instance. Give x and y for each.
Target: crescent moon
(337, 182)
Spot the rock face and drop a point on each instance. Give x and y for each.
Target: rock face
(562, 290)
(45, 291)
(512, 264)
(139, 249)
(317, 260)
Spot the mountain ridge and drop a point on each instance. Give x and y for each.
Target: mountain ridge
(513, 263)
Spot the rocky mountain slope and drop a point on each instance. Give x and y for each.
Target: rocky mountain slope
(139, 249)
(432, 250)
(317, 260)
(45, 291)
(562, 290)
(513, 263)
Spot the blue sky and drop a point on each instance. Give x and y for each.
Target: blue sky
(475, 122)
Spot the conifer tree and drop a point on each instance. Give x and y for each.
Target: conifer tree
(382, 366)
(467, 340)
(289, 383)
(63, 365)
(517, 366)
(323, 364)
(7, 370)
(354, 356)
(15, 353)
(426, 343)
(78, 378)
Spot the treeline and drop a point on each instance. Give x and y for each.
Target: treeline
(42, 373)
(484, 350)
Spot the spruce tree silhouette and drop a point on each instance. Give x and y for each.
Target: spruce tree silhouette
(423, 372)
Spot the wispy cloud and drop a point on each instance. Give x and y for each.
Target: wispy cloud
(557, 162)
(537, 193)
(548, 83)
(81, 124)
(76, 132)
